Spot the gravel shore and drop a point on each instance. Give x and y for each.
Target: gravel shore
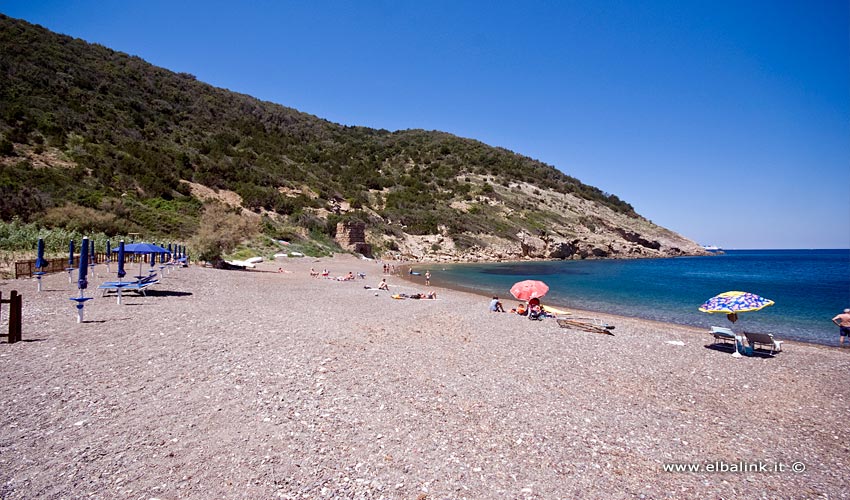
(266, 384)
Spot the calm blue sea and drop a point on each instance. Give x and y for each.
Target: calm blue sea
(809, 287)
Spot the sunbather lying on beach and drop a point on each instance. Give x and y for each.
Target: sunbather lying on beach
(429, 295)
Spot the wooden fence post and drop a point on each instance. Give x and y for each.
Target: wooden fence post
(15, 316)
(15, 302)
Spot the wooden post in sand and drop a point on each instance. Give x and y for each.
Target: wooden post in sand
(15, 302)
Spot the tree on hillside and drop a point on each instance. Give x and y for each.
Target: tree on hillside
(221, 231)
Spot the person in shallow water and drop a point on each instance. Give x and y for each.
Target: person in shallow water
(843, 322)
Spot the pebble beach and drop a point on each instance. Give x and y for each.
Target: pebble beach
(265, 384)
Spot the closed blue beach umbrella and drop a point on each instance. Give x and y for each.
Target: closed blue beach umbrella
(153, 259)
(39, 259)
(40, 263)
(108, 254)
(91, 256)
(121, 272)
(70, 267)
(82, 281)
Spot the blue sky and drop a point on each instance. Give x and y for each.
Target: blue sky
(728, 122)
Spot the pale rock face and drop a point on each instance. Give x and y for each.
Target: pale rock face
(575, 229)
(528, 247)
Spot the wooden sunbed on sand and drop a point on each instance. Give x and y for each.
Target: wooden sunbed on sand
(586, 325)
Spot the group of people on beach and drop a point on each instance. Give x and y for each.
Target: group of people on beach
(389, 268)
(533, 310)
(326, 274)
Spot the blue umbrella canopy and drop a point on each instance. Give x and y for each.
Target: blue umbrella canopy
(144, 248)
(39, 260)
(82, 282)
(121, 272)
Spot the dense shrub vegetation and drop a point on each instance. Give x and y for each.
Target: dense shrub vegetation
(131, 131)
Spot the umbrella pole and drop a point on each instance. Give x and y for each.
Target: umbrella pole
(80, 305)
(738, 347)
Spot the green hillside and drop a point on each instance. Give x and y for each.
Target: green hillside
(104, 139)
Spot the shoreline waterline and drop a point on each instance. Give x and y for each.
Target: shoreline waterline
(609, 317)
(808, 287)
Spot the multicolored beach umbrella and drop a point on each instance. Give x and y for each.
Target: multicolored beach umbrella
(731, 303)
(735, 302)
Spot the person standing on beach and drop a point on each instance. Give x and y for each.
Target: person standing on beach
(843, 322)
(427, 278)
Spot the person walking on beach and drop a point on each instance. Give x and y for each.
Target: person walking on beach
(427, 278)
(843, 322)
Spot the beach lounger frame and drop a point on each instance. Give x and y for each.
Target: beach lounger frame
(586, 325)
(764, 339)
(722, 335)
(126, 286)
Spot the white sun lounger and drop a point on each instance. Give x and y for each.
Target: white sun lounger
(722, 334)
(764, 339)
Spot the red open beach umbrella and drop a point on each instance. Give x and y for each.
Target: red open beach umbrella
(529, 289)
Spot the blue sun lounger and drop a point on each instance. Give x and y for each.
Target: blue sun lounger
(132, 286)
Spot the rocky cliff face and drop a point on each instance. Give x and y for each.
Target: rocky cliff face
(569, 228)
